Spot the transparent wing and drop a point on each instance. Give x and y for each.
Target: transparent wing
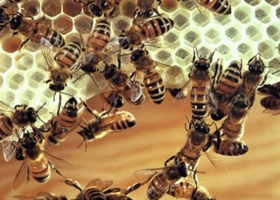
(99, 184)
(58, 164)
(9, 149)
(136, 91)
(45, 195)
(217, 162)
(212, 99)
(47, 51)
(183, 93)
(104, 184)
(21, 176)
(148, 172)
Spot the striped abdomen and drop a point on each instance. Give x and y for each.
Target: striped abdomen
(233, 130)
(43, 31)
(120, 121)
(157, 27)
(40, 170)
(231, 148)
(229, 82)
(155, 86)
(100, 36)
(157, 187)
(68, 55)
(94, 194)
(199, 102)
(217, 6)
(271, 103)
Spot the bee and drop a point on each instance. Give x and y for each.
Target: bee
(36, 161)
(226, 86)
(65, 121)
(66, 60)
(98, 47)
(97, 8)
(35, 30)
(271, 103)
(197, 141)
(130, 89)
(152, 79)
(200, 86)
(233, 126)
(146, 8)
(43, 196)
(139, 34)
(270, 89)
(187, 190)
(105, 123)
(221, 7)
(163, 178)
(113, 97)
(252, 79)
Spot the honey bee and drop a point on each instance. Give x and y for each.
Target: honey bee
(36, 161)
(200, 86)
(271, 103)
(152, 79)
(146, 8)
(163, 178)
(226, 86)
(252, 78)
(65, 121)
(139, 34)
(35, 30)
(97, 8)
(105, 122)
(131, 90)
(270, 89)
(187, 190)
(43, 196)
(98, 47)
(98, 189)
(221, 7)
(233, 126)
(197, 141)
(66, 60)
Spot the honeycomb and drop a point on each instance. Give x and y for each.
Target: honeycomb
(251, 28)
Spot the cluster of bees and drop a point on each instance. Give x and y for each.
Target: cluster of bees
(225, 95)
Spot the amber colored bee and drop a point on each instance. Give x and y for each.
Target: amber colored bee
(138, 34)
(187, 190)
(201, 90)
(227, 85)
(66, 63)
(65, 121)
(35, 30)
(221, 7)
(36, 161)
(197, 141)
(43, 196)
(97, 8)
(106, 122)
(146, 8)
(163, 178)
(252, 78)
(152, 79)
(233, 126)
(130, 89)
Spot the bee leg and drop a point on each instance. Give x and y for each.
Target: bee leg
(168, 160)
(23, 43)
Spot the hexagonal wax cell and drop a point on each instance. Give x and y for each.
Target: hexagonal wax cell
(51, 8)
(63, 24)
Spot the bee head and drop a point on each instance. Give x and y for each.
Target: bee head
(109, 71)
(182, 169)
(31, 115)
(86, 134)
(95, 10)
(137, 54)
(16, 21)
(256, 65)
(202, 64)
(29, 140)
(202, 127)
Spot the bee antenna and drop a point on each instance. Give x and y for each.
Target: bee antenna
(275, 71)
(78, 77)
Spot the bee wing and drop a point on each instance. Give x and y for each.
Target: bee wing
(183, 93)
(46, 195)
(104, 184)
(47, 51)
(212, 99)
(136, 91)
(57, 164)
(21, 176)
(218, 163)
(99, 184)
(116, 42)
(9, 149)
(148, 172)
